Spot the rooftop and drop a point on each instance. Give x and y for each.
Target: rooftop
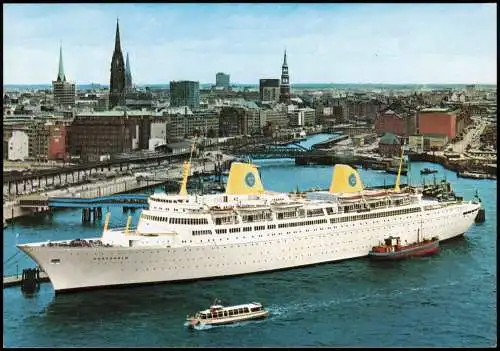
(114, 113)
(435, 109)
(389, 138)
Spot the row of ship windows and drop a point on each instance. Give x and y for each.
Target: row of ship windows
(202, 232)
(188, 221)
(222, 231)
(295, 224)
(237, 230)
(287, 215)
(245, 229)
(201, 221)
(221, 314)
(306, 223)
(192, 221)
(375, 215)
(169, 201)
(110, 258)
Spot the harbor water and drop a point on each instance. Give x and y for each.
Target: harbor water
(447, 300)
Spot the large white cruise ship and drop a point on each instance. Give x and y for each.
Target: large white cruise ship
(248, 230)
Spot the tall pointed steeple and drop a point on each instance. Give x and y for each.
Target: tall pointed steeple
(64, 91)
(117, 78)
(60, 75)
(128, 75)
(117, 37)
(285, 82)
(127, 65)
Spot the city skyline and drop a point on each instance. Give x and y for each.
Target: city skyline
(334, 43)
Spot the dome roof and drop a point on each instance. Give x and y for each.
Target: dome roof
(389, 138)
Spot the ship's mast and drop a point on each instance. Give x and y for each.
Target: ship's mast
(186, 170)
(396, 187)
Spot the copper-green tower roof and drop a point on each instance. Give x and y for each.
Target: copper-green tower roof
(60, 75)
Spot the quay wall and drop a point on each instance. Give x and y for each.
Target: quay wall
(456, 165)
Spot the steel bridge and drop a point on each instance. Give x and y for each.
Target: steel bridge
(271, 151)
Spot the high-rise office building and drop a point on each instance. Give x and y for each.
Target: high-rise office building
(117, 79)
(185, 93)
(285, 83)
(269, 89)
(222, 80)
(64, 91)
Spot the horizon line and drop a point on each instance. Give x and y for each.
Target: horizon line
(291, 84)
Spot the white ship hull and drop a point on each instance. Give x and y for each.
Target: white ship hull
(93, 267)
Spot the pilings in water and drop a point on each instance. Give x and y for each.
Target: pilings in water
(30, 280)
(86, 215)
(91, 214)
(127, 209)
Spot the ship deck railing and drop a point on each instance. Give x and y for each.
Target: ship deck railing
(122, 229)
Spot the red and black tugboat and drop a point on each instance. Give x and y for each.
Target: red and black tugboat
(393, 250)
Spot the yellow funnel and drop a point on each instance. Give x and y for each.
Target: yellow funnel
(345, 179)
(243, 179)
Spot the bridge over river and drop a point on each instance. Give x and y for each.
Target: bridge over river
(286, 150)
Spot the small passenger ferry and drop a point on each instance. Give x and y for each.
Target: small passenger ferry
(219, 315)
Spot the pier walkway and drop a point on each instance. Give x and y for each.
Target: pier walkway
(13, 280)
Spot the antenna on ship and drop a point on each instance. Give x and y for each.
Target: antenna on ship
(186, 170)
(408, 172)
(396, 187)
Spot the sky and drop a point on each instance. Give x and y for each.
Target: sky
(325, 43)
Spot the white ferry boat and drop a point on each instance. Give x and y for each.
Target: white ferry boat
(220, 315)
(247, 230)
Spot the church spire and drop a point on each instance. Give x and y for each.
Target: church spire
(127, 65)
(117, 78)
(60, 74)
(117, 37)
(128, 75)
(285, 82)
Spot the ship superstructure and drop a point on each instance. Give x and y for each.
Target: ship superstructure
(248, 230)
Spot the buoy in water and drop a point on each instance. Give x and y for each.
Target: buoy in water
(30, 281)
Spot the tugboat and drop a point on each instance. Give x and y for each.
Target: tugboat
(393, 250)
(428, 171)
(219, 315)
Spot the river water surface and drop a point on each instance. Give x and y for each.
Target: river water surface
(448, 300)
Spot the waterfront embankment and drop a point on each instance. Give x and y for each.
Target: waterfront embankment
(456, 165)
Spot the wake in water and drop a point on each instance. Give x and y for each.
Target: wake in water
(277, 311)
(200, 326)
(232, 325)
